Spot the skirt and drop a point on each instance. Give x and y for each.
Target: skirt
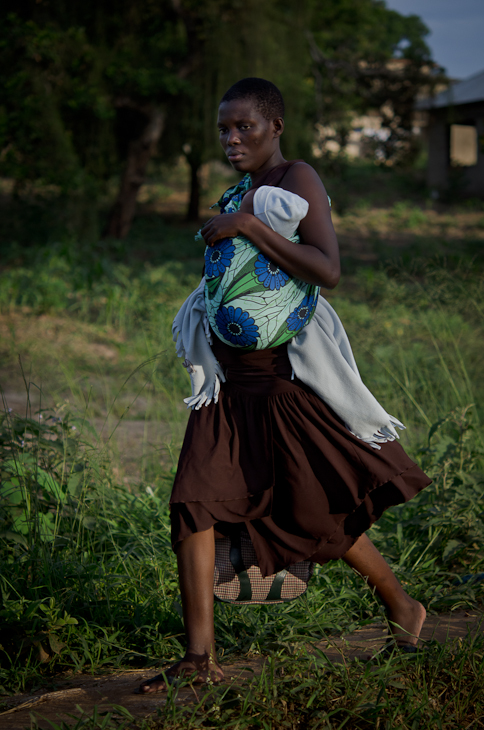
(273, 459)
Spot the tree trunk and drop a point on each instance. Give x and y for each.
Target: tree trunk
(194, 204)
(140, 152)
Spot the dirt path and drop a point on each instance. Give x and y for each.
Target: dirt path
(81, 694)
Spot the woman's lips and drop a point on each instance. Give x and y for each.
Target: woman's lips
(235, 156)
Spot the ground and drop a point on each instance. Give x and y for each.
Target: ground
(81, 694)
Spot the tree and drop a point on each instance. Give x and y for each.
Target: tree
(40, 70)
(91, 88)
(263, 40)
(366, 56)
(87, 88)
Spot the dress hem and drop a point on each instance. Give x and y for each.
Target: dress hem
(322, 540)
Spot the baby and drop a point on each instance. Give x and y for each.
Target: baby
(251, 302)
(277, 208)
(282, 211)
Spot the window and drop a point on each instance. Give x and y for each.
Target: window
(463, 145)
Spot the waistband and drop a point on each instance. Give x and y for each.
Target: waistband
(261, 372)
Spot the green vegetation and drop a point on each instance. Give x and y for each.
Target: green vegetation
(95, 92)
(88, 578)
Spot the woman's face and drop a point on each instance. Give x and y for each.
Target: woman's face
(250, 141)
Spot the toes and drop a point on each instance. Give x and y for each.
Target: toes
(146, 689)
(188, 672)
(155, 684)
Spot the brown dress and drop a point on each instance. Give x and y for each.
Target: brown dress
(272, 456)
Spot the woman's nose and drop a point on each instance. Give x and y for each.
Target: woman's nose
(233, 137)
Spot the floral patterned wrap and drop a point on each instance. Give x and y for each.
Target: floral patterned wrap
(251, 303)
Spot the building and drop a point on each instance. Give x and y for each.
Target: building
(365, 138)
(368, 134)
(455, 135)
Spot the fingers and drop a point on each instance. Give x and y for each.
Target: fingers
(218, 228)
(209, 233)
(213, 235)
(205, 226)
(206, 232)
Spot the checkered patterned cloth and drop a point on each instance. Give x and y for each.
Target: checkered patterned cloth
(238, 578)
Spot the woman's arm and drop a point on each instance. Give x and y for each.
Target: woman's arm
(317, 261)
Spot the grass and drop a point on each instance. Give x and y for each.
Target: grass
(308, 691)
(87, 460)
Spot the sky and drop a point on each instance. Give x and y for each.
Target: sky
(456, 32)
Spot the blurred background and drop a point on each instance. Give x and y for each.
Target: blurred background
(102, 102)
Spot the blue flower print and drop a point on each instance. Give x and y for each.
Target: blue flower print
(269, 274)
(236, 326)
(218, 258)
(301, 314)
(234, 194)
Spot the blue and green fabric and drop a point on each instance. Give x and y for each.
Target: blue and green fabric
(251, 302)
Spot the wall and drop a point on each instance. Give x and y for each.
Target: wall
(440, 173)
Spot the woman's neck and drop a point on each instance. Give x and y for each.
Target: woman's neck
(275, 160)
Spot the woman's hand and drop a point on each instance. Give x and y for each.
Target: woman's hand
(228, 225)
(316, 261)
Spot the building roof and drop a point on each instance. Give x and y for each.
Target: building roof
(463, 92)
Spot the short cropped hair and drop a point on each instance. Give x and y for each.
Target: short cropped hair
(267, 97)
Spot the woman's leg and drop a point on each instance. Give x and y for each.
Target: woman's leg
(196, 558)
(406, 615)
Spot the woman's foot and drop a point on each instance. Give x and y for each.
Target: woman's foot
(206, 668)
(406, 621)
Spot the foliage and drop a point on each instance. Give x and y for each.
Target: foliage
(96, 585)
(265, 41)
(83, 82)
(77, 79)
(59, 514)
(306, 690)
(367, 57)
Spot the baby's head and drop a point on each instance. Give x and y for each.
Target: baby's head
(277, 208)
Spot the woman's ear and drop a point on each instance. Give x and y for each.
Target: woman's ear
(278, 126)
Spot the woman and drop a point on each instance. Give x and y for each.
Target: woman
(271, 455)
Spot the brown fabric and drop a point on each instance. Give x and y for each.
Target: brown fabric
(274, 456)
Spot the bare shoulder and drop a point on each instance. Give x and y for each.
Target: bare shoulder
(302, 178)
(302, 174)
